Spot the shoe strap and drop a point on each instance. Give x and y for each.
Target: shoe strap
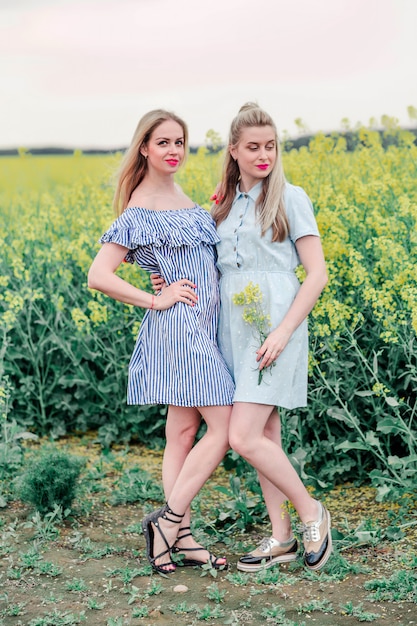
(180, 536)
(168, 511)
(177, 550)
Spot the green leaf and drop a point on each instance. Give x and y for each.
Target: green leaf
(395, 462)
(391, 401)
(393, 533)
(351, 445)
(342, 416)
(389, 425)
(371, 438)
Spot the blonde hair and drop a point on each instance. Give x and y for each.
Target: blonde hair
(134, 165)
(270, 204)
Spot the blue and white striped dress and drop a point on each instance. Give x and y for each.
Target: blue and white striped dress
(176, 359)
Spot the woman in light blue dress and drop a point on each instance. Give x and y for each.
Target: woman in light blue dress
(245, 256)
(267, 228)
(176, 360)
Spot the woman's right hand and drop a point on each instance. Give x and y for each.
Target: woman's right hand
(216, 197)
(158, 282)
(181, 291)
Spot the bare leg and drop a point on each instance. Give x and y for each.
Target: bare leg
(274, 498)
(181, 429)
(247, 438)
(200, 463)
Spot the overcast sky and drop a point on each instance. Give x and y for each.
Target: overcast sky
(80, 73)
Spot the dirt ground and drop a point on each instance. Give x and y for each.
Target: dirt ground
(102, 577)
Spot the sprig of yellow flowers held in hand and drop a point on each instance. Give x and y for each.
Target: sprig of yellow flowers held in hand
(251, 299)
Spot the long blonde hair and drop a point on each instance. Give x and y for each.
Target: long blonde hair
(270, 204)
(134, 165)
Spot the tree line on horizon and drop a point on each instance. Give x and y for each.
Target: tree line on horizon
(214, 142)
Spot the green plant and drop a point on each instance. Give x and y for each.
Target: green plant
(11, 452)
(238, 578)
(274, 612)
(154, 589)
(401, 586)
(208, 569)
(134, 594)
(51, 599)
(136, 485)
(94, 605)
(215, 594)
(90, 549)
(46, 527)
(9, 535)
(58, 618)
(391, 473)
(241, 510)
(182, 608)
(323, 606)
(12, 610)
(108, 587)
(34, 561)
(51, 480)
(126, 574)
(76, 584)
(31, 558)
(11, 436)
(273, 576)
(115, 621)
(367, 532)
(208, 612)
(49, 569)
(358, 612)
(140, 612)
(15, 573)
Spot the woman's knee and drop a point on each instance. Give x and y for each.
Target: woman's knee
(183, 437)
(218, 437)
(181, 433)
(239, 443)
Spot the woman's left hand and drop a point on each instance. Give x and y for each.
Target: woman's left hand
(272, 347)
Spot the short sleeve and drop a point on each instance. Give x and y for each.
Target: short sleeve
(126, 232)
(300, 213)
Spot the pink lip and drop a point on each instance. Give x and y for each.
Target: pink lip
(172, 162)
(263, 166)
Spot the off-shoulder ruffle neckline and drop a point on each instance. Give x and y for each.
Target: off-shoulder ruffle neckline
(142, 208)
(176, 227)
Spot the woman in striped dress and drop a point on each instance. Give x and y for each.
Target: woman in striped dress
(176, 360)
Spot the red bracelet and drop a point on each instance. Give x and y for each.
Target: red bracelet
(153, 302)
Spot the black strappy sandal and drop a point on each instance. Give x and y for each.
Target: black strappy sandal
(148, 523)
(212, 560)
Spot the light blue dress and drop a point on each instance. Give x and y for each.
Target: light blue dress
(243, 257)
(176, 359)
